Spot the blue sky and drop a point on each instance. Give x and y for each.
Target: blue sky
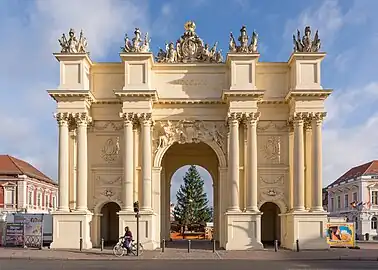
(348, 30)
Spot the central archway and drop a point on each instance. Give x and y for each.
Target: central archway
(177, 156)
(110, 223)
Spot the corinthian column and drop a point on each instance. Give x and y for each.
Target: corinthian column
(308, 161)
(251, 122)
(63, 176)
(298, 163)
(317, 162)
(82, 120)
(128, 162)
(145, 122)
(233, 161)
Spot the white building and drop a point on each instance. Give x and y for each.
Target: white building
(355, 196)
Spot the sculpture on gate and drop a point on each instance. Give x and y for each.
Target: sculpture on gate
(243, 40)
(137, 44)
(73, 44)
(306, 43)
(189, 48)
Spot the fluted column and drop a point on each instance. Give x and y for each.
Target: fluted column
(128, 162)
(63, 163)
(145, 122)
(251, 122)
(298, 163)
(233, 162)
(308, 161)
(317, 204)
(82, 121)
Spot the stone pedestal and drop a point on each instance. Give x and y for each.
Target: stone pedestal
(243, 231)
(69, 227)
(147, 231)
(307, 227)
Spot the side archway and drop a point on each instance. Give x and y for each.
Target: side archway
(109, 225)
(270, 223)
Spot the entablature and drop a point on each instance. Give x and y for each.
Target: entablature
(72, 96)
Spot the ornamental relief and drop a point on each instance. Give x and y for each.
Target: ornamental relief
(110, 150)
(165, 133)
(271, 194)
(107, 126)
(271, 179)
(272, 126)
(107, 189)
(271, 149)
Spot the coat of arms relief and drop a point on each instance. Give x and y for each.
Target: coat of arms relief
(165, 133)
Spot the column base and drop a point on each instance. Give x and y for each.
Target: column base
(243, 231)
(307, 227)
(69, 227)
(148, 235)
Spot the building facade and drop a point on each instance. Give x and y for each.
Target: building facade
(23, 188)
(355, 196)
(126, 127)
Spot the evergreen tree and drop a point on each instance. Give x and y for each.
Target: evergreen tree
(192, 203)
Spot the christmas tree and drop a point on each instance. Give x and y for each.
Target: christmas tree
(192, 203)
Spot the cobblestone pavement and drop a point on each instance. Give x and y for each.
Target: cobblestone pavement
(181, 254)
(16, 264)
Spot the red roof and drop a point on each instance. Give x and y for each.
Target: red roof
(370, 168)
(11, 167)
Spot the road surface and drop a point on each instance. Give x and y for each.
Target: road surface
(20, 264)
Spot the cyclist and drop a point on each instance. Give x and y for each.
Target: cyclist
(127, 239)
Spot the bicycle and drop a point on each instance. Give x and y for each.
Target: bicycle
(119, 249)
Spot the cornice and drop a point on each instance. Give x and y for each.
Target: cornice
(61, 95)
(308, 94)
(73, 57)
(136, 95)
(243, 95)
(306, 56)
(190, 101)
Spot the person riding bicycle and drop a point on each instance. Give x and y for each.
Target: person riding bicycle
(127, 239)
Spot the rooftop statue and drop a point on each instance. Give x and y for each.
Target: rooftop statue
(243, 39)
(72, 44)
(137, 44)
(189, 48)
(306, 44)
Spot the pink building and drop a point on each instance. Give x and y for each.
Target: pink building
(354, 195)
(23, 188)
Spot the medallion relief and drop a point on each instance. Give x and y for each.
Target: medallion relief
(110, 150)
(271, 149)
(189, 131)
(271, 194)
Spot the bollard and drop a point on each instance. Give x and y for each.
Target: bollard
(102, 244)
(297, 245)
(213, 240)
(81, 243)
(189, 245)
(275, 245)
(163, 246)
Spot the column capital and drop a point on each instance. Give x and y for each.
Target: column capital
(318, 117)
(62, 118)
(234, 118)
(82, 119)
(298, 118)
(251, 118)
(145, 119)
(128, 118)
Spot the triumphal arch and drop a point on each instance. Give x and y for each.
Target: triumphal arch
(125, 127)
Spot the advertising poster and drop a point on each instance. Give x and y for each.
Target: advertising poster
(14, 235)
(340, 234)
(33, 228)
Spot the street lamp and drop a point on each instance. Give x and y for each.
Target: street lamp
(137, 215)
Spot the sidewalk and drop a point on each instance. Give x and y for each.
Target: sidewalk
(180, 254)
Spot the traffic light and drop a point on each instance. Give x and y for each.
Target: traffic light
(136, 207)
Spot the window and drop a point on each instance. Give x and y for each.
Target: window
(355, 198)
(346, 201)
(374, 223)
(47, 201)
(54, 202)
(338, 202)
(374, 197)
(39, 199)
(30, 198)
(332, 204)
(9, 196)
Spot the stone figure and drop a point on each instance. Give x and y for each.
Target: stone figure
(73, 44)
(189, 48)
(136, 44)
(306, 43)
(243, 39)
